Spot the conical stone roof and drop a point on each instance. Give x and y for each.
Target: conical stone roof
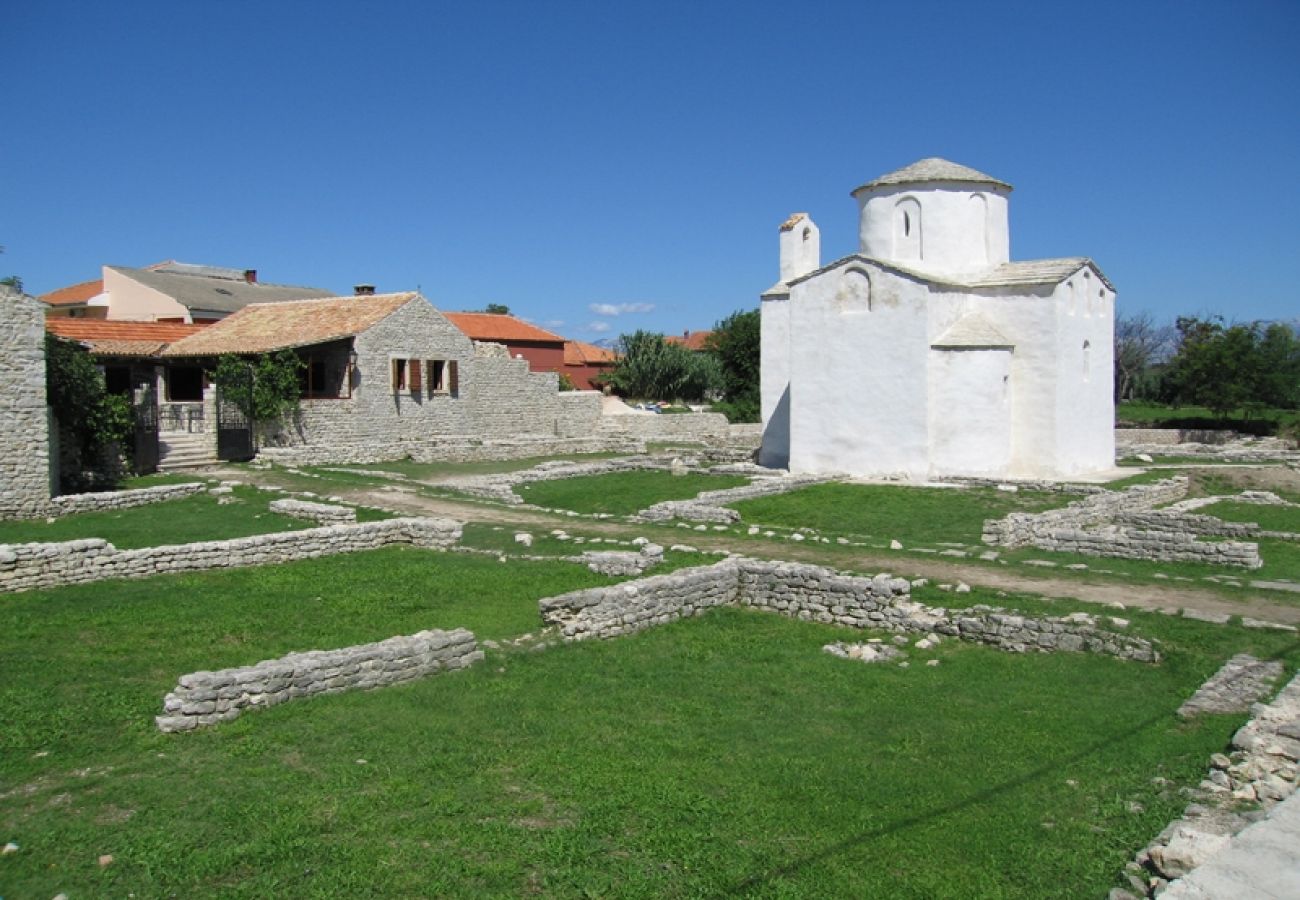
(931, 169)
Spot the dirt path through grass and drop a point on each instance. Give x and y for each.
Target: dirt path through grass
(400, 499)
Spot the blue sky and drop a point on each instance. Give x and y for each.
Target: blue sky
(602, 167)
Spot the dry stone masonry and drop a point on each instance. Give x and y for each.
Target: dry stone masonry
(321, 513)
(69, 504)
(709, 506)
(207, 698)
(1241, 788)
(1098, 526)
(1240, 682)
(813, 593)
(24, 421)
(26, 567)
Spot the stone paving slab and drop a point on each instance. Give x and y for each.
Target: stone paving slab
(1262, 863)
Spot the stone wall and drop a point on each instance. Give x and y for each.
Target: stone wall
(206, 698)
(69, 504)
(708, 506)
(447, 449)
(501, 486)
(25, 567)
(683, 426)
(321, 513)
(25, 429)
(1169, 437)
(1099, 525)
(813, 593)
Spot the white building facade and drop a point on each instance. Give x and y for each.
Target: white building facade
(929, 353)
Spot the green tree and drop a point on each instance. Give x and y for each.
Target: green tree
(653, 369)
(265, 389)
(1228, 367)
(497, 309)
(93, 424)
(736, 342)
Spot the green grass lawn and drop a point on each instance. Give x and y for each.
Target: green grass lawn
(622, 493)
(888, 512)
(1270, 518)
(196, 518)
(723, 755)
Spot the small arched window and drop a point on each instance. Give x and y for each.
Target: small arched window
(1087, 361)
(807, 233)
(908, 230)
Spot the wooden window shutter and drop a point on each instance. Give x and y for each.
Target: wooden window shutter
(453, 378)
(415, 376)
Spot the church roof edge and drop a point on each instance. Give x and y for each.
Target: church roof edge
(932, 168)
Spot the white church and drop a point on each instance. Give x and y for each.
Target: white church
(928, 353)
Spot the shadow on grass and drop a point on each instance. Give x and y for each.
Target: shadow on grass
(756, 881)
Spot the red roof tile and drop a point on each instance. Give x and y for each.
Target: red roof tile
(112, 338)
(692, 340)
(577, 353)
(493, 327)
(74, 294)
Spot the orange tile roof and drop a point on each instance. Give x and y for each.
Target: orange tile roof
(263, 327)
(74, 294)
(577, 353)
(111, 338)
(494, 327)
(692, 340)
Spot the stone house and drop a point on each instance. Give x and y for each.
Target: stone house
(169, 292)
(929, 352)
(386, 373)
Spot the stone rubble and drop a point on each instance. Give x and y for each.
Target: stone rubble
(207, 698)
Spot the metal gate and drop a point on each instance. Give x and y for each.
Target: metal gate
(234, 428)
(144, 409)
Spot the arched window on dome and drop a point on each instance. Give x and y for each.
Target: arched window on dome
(907, 230)
(979, 223)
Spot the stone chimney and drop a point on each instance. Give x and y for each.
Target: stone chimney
(363, 290)
(250, 275)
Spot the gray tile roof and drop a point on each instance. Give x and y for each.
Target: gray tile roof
(216, 293)
(931, 169)
(1025, 273)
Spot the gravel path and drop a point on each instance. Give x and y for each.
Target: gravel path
(405, 499)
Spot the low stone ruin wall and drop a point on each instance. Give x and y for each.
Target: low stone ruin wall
(501, 487)
(26, 567)
(690, 426)
(206, 698)
(708, 506)
(449, 449)
(813, 593)
(1191, 523)
(1171, 437)
(321, 513)
(68, 504)
(1099, 525)
(1241, 786)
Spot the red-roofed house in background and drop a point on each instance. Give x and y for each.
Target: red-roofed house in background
(691, 340)
(169, 292)
(543, 350)
(584, 363)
